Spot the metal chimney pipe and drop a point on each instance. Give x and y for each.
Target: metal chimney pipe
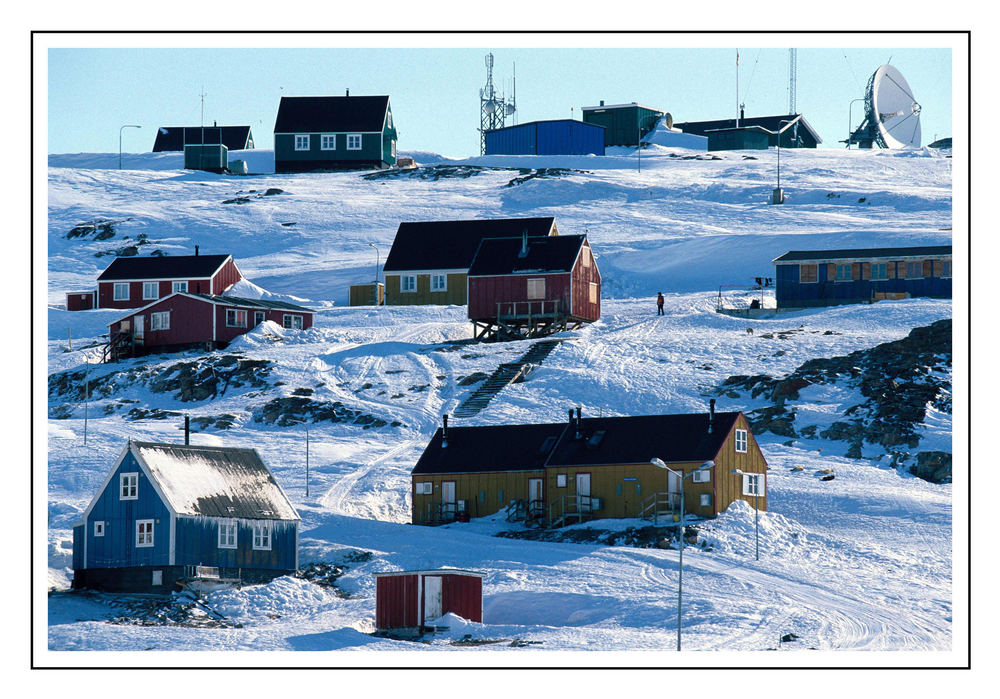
(711, 414)
(444, 430)
(196, 251)
(187, 430)
(579, 417)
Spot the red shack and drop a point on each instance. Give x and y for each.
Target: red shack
(530, 286)
(185, 320)
(133, 282)
(406, 600)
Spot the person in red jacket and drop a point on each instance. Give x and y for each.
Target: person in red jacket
(659, 303)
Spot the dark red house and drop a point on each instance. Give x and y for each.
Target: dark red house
(186, 320)
(530, 286)
(133, 282)
(406, 600)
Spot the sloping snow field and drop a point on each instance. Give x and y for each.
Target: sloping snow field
(859, 563)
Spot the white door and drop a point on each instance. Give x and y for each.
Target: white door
(432, 597)
(448, 498)
(674, 488)
(140, 327)
(583, 491)
(534, 489)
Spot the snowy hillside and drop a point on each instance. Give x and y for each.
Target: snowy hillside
(860, 562)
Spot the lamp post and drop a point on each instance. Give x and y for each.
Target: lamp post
(125, 126)
(756, 510)
(373, 245)
(680, 560)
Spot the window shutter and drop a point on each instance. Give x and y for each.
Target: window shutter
(856, 270)
(890, 270)
(831, 272)
(866, 270)
(936, 266)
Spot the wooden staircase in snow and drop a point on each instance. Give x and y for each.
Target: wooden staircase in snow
(505, 375)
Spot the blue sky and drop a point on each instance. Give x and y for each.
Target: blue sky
(435, 91)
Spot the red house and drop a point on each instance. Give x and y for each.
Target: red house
(185, 320)
(406, 600)
(133, 282)
(530, 286)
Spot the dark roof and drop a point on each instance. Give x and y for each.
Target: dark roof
(422, 245)
(165, 267)
(771, 123)
(253, 303)
(171, 138)
(498, 448)
(636, 440)
(545, 254)
(215, 481)
(314, 114)
(853, 254)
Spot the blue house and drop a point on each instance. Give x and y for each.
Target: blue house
(809, 278)
(170, 514)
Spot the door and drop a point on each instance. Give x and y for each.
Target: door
(674, 488)
(448, 499)
(583, 491)
(140, 328)
(536, 505)
(432, 597)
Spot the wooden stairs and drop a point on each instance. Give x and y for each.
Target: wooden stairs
(505, 375)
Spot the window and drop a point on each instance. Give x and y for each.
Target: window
(121, 292)
(157, 577)
(143, 533)
(705, 500)
(301, 142)
(946, 268)
(593, 292)
(879, 271)
(408, 283)
(585, 256)
(179, 287)
(844, 273)
(392, 148)
(258, 317)
(561, 480)
(439, 282)
(914, 270)
(388, 120)
(741, 441)
(536, 288)
(328, 141)
(425, 488)
(150, 290)
(129, 486)
(701, 476)
(753, 484)
(353, 141)
(807, 273)
(227, 533)
(262, 536)
(500, 496)
(236, 318)
(99, 528)
(291, 322)
(159, 321)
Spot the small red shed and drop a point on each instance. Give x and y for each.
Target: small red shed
(529, 286)
(80, 300)
(406, 600)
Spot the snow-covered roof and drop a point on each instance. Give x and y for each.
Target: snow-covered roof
(214, 481)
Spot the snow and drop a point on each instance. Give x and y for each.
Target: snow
(859, 563)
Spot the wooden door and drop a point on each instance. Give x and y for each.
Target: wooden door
(432, 597)
(448, 509)
(583, 491)
(140, 328)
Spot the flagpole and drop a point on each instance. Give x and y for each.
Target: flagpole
(737, 88)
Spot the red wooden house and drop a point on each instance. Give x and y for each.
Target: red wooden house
(133, 282)
(406, 600)
(530, 286)
(185, 320)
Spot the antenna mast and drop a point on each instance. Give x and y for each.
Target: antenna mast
(493, 107)
(792, 74)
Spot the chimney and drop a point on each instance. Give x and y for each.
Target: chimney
(579, 417)
(214, 123)
(187, 430)
(347, 92)
(602, 103)
(711, 414)
(196, 251)
(524, 244)
(444, 430)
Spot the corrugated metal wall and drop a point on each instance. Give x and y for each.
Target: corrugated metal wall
(564, 137)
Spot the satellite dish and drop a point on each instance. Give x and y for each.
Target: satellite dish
(669, 120)
(892, 114)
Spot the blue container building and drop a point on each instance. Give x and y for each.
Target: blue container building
(554, 137)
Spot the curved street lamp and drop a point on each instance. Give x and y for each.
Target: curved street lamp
(126, 126)
(680, 561)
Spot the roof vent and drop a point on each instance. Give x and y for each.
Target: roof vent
(524, 244)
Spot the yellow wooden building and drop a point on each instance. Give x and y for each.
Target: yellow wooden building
(586, 468)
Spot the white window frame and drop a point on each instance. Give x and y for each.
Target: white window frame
(150, 291)
(128, 486)
(99, 528)
(144, 539)
(236, 323)
(288, 321)
(741, 441)
(439, 282)
(228, 533)
(392, 147)
(425, 488)
(560, 480)
(120, 292)
(533, 289)
(705, 500)
(262, 536)
(328, 141)
(302, 142)
(159, 320)
(388, 119)
(179, 287)
(408, 283)
(753, 484)
(259, 317)
(354, 138)
(701, 476)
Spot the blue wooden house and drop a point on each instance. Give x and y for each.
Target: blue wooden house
(809, 278)
(171, 514)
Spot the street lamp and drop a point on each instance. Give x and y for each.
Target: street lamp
(126, 126)
(373, 245)
(756, 510)
(680, 561)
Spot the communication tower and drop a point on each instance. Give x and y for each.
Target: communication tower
(494, 109)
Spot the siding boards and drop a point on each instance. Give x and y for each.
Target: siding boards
(456, 293)
(198, 544)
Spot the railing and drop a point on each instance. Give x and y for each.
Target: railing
(529, 309)
(660, 505)
(527, 511)
(440, 512)
(570, 507)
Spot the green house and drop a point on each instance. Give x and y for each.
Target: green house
(624, 124)
(334, 133)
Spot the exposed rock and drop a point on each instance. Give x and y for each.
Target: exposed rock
(933, 466)
(292, 410)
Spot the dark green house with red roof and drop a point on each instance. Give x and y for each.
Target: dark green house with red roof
(334, 133)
